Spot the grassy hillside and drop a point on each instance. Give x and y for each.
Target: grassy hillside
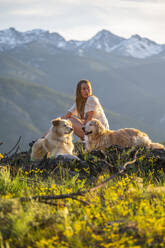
(27, 110)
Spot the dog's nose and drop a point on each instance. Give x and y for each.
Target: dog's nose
(83, 128)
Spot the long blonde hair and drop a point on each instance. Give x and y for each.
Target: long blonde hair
(80, 101)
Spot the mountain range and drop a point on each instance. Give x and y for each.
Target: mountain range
(104, 40)
(39, 71)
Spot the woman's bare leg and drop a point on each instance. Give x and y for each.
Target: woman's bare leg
(77, 127)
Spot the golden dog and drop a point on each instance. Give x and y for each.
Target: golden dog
(99, 138)
(58, 141)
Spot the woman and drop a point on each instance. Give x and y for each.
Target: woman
(86, 107)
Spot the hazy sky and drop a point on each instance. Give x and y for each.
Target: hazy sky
(81, 19)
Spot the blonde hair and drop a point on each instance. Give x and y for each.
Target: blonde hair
(80, 101)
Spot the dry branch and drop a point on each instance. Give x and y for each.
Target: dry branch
(54, 197)
(123, 169)
(15, 146)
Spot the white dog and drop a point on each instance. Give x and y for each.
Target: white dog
(58, 141)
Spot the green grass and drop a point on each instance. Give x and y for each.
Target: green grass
(28, 110)
(126, 212)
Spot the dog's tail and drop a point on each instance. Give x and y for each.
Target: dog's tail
(157, 146)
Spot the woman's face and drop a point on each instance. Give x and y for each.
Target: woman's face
(85, 90)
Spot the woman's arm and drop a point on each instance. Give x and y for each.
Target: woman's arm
(91, 107)
(71, 111)
(88, 117)
(67, 116)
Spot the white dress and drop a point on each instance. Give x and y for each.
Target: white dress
(92, 104)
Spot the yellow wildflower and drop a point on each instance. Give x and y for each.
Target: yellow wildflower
(1, 156)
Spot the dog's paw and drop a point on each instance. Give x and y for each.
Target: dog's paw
(67, 157)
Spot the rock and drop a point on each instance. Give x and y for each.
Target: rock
(90, 165)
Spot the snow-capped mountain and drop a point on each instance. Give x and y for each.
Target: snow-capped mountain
(74, 44)
(11, 38)
(104, 40)
(137, 47)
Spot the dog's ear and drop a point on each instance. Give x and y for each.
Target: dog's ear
(100, 127)
(56, 122)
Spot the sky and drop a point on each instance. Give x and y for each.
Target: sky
(82, 19)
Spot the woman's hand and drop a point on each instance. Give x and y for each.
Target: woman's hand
(67, 116)
(88, 117)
